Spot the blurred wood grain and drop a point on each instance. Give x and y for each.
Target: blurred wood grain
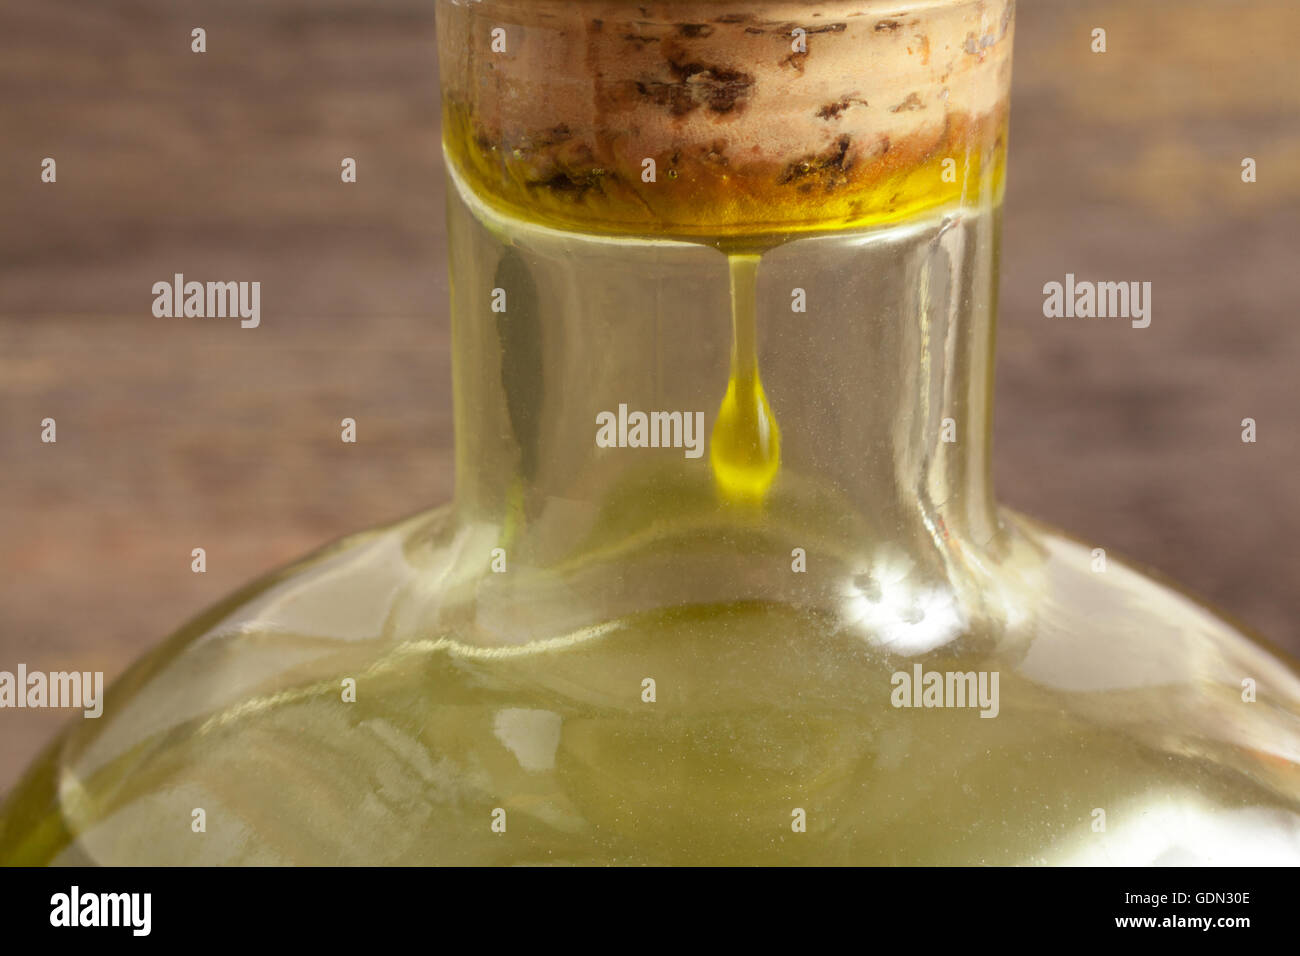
(1124, 165)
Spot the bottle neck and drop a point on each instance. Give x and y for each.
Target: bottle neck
(592, 378)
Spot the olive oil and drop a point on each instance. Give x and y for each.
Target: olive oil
(563, 185)
(745, 450)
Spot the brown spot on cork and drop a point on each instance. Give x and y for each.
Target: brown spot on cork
(888, 26)
(639, 38)
(833, 110)
(829, 170)
(925, 50)
(913, 102)
(795, 60)
(695, 30)
(719, 89)
(571, 174)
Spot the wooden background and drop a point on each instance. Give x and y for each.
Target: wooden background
(173, 435)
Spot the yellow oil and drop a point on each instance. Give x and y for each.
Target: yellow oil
(562, 186)
(745, 446)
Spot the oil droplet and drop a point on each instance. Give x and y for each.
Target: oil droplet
(745, 448)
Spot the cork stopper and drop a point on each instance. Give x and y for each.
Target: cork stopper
(706, 118)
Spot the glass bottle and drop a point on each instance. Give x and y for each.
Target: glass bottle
(724, 580)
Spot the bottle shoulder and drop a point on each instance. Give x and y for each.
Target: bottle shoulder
(312, 719)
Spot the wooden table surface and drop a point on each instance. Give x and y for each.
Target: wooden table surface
(1124, 165)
